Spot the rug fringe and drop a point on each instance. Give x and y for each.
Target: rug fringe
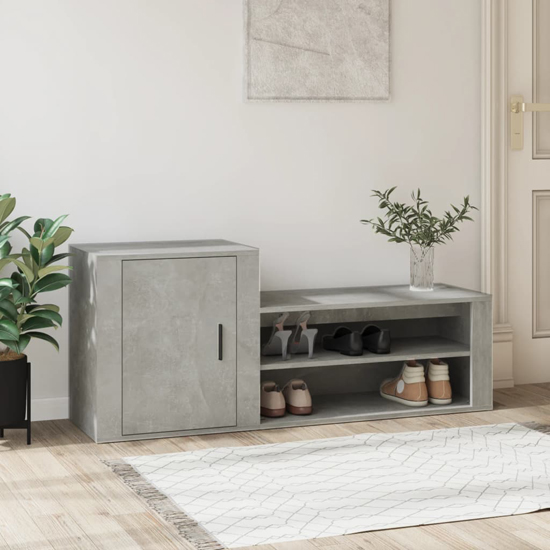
(186, 526)
(543, 428)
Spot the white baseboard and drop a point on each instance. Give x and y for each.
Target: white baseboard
(503, 383)
(55, 408)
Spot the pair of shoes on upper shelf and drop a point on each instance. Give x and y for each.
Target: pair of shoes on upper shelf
(294, 398)
(411, 388)
(352, 342)
(300, 339)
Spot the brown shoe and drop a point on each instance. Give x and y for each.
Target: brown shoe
(409, 388)
(439, 384)
(272, 401)
(297, 397)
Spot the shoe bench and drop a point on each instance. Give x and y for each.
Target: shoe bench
(165, 341)
(449, 323)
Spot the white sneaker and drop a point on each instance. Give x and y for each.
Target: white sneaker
(439, 383)
(409, 388)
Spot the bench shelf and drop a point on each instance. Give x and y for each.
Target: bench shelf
(450, 323)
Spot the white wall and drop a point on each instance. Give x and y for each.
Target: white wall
(128, 115)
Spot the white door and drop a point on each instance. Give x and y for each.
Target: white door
(529, 190)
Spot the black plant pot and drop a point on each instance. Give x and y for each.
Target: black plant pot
(15, 394)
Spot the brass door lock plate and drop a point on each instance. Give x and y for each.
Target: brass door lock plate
(516, 123)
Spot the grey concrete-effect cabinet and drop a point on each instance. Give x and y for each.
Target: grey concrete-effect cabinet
(165, 340)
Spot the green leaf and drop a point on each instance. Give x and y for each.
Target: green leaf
(55, 226)
(4, 262)
(7, 282)
(5, 292)
(22, 318)
(41, 225)
(62, 235)
(8, 310)
(19, 347)
(58, 257)
(46, 337)
(21, 283)
(29, 261)
(50, 307)
(36, 323)
(6, 207)
(50, 282)
(25, 269)
(18, 297)
(35, 254)
(51, 269)
(8, 228)
(47, 254)
(47, 314)
(5, 250)
(8, 330)
(38, 244)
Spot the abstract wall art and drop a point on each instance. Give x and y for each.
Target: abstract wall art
(317, 50)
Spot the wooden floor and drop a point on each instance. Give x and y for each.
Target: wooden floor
(58, 494)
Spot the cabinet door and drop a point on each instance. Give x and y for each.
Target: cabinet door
(179, 344)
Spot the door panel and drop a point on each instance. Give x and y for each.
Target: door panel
(541, 77)
(541, 264)
(172, 377)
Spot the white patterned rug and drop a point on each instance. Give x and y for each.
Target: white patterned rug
(243, 496)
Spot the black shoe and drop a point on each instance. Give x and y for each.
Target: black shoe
(376, 339)
(344, 340)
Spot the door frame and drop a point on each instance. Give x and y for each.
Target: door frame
(494, 181)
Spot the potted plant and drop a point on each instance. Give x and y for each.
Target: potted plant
(415, 225)
(22, 317)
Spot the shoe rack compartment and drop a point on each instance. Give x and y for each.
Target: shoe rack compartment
(416, 332)
(422, 338)
(449, 323)
(352, 394)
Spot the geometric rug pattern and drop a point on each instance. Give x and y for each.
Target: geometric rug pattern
(244, 496)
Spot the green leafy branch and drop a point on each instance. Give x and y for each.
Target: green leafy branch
(22, 318)
(415, 223)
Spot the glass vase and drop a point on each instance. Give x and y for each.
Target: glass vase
(422, 268)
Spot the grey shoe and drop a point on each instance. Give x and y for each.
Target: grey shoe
(302, 339)
(278, 341)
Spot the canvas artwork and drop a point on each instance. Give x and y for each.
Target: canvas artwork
(317, 50)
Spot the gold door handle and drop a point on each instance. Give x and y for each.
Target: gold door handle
(517, 108)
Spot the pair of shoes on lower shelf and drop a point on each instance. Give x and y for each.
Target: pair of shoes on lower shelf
(284, 342)
(352, 342)
(412, 389)
(294, 398)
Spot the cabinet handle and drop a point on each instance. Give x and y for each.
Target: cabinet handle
(220, 342)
